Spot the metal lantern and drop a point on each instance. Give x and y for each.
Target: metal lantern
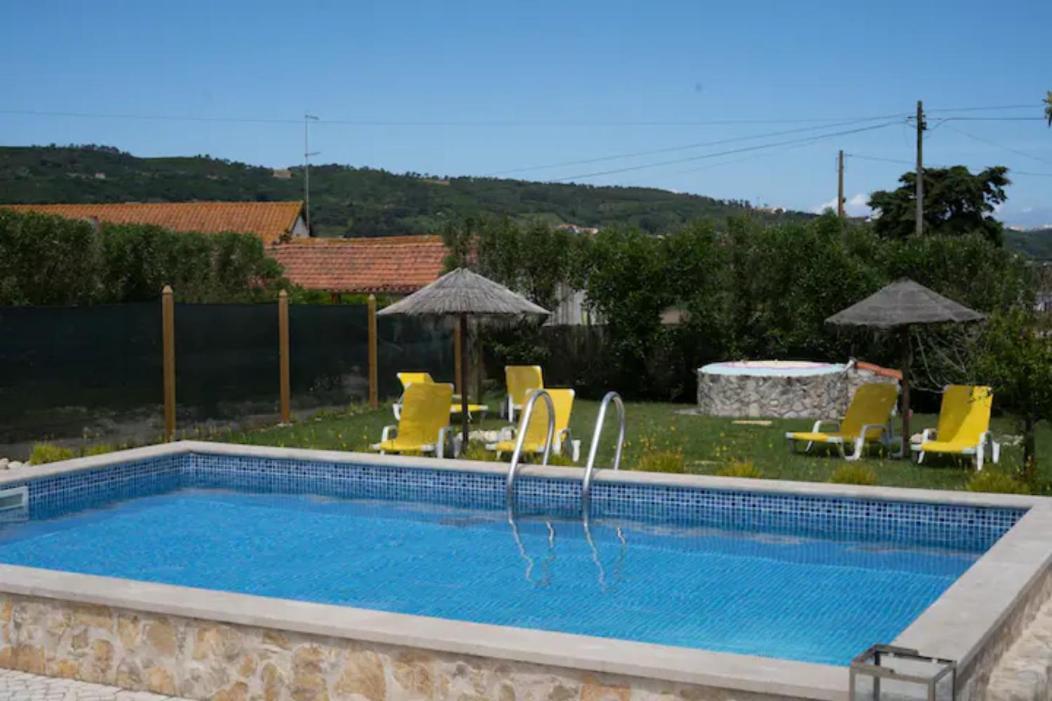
(887, 672)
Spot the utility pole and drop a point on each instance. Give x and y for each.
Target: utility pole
(921, 126)
(840, 184)
(307, 153)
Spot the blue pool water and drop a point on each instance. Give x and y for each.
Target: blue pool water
(775, 594)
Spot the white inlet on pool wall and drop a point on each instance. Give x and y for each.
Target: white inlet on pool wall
(781, 388)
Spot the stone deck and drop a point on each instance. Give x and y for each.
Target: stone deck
(20, 686)
(1024, 673)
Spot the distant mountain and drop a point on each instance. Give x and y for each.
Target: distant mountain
(360, 201)
(1036, 243)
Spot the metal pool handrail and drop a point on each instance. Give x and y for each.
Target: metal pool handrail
(594, 448)
(524, 425)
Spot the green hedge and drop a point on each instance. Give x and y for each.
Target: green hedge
(50, 260)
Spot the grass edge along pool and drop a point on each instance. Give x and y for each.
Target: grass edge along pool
(61, 487)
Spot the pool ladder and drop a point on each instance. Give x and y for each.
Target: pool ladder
(593, 450)
(524, 422)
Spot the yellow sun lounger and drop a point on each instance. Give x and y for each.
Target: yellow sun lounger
(408, 378)
(868, 420)
(521, 380)
(423, 422)
(537, 431)
(964, 426)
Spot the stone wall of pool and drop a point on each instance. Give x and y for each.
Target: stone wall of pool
(201, 659)
(208, 644)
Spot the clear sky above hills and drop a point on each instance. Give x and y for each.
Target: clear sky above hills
(481, 88)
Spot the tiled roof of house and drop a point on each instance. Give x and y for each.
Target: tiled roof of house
(878, 370)
(390, 264)
(268, 220)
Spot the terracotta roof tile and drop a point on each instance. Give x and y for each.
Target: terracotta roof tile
(391, 264)
(268, 220)
(878, 370)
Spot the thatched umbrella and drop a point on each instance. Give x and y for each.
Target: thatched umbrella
(462, 293)
(900, 305)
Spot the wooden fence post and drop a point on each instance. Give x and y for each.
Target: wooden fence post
(168, 355)
(374, 390)
(283, 354)
(458, 365)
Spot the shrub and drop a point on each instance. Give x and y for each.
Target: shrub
(477, 451)
(561, 460)
(996, 481)
(97, 449)
(740, 468)
(662, 461)
(854, 474)
(43, 453)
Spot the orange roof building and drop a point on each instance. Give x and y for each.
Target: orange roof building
(272, 222)
(388, 264)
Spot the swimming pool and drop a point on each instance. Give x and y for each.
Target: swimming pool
(726, 567)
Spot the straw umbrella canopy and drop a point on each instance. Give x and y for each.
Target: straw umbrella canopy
(898, 306)
(462, 293)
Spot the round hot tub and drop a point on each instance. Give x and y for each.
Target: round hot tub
(773, 388)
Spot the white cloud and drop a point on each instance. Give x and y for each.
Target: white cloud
(855, 206)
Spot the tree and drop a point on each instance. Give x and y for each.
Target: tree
(1015, 357)
(1048, 107)
(629, 286)
(956, 202)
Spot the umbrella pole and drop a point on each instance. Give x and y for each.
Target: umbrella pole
(463, 378)
(906, 361)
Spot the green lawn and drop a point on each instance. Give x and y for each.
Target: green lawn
(707, 443)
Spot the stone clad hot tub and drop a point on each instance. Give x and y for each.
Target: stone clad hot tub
(782, 388)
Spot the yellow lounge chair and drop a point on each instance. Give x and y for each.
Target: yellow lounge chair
(423, 422)
(408, 378)
(537, 431)
(868, 420)
(521, 380)
(964, 426)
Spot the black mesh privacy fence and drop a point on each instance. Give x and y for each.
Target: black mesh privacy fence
(66, 371)
(328, 354)
(413, 343)
(95, 372)
(226, 360)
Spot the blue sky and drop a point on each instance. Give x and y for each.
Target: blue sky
(477, 88)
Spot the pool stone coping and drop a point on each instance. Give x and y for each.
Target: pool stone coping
(965, 623)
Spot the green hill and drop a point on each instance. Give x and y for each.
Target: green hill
(1036, 243)
(361, 201)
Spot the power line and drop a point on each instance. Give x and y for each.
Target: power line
(767, 154)
(684, 147)
(983, 109)
(722, 153)
(879, 158)
(997, 145)
(426, 123)
(1011, 171)
(152, 117)
(993, 119)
